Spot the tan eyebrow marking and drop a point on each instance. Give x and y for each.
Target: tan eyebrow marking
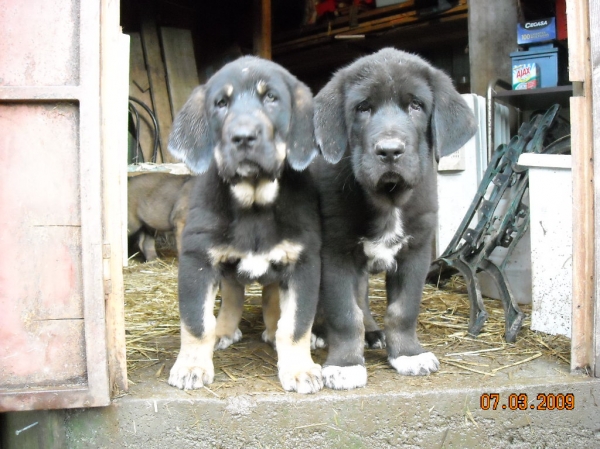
(261, 87)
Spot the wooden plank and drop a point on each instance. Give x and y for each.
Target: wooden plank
(139, 88)
(114, 102)
(24, 93)
(54, 336)
(262, 29)
(158, 83)
(594, 18)
(180, 62)
(583, 191)
(90, 172)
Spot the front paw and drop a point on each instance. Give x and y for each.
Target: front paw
(225, 341)
(188, 373)
(345, 377)
(317, 342)
(375, 339)
(303, 380)
(416, 365)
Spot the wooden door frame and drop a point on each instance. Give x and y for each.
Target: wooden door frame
(85, 93)
(581, 14)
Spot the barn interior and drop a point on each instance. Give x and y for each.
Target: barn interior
(178, 44)
(312, 40)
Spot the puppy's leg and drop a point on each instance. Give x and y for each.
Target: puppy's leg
(147, 245)
(298, 301)
(197, 291)
(345, 366)
(404, 291)
(374, 336)
(230, 314)
(271, 311)
(179, 225)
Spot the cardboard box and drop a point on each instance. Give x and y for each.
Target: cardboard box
(540, 30)
(525, 76)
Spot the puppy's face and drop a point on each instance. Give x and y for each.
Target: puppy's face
(252, 117)
(388, 109)
(249, 114)
(391, 112)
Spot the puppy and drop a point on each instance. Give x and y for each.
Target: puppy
(382, 120)
(156, 202)
(253, 217)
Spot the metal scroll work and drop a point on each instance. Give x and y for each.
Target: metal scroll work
(469, 250)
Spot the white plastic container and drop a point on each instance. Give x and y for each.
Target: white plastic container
(550, 195)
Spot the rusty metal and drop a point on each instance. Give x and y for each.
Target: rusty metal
(469, 250)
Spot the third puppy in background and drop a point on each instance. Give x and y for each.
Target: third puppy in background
(157, 202)
(382, 120)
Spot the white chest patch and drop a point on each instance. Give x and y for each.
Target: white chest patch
(264, 193)
(381, 251)
(255, 265)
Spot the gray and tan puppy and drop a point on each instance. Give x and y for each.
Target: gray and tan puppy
(382, 120)
(157, 202)
(253, 217)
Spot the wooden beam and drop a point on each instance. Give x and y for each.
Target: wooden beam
(594, 19)
(180, 62)
(114, 90)
(583, 186)
(139, 88)
(262, 28)
(158, 82)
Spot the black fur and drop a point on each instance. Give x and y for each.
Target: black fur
(251, 123)
(382, 121)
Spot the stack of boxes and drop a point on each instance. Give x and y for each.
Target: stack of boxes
(537, 64)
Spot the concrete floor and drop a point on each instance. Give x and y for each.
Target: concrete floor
(439, 411)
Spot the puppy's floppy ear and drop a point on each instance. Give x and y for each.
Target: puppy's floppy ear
(301, 141)
(190, 140)
(330, 123)
(452, 121)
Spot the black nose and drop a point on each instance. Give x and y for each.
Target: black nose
(389, 150)
(245, 136)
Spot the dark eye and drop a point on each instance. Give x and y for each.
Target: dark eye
(416, 104)
(363, 106)
(270, 97)
(221, 102)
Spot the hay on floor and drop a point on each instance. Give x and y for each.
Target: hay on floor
(152, 331)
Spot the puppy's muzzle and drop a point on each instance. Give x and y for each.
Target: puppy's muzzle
(246, 135)
(389, 150)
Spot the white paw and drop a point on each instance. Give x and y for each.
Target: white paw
(416, 365)
(189, 374)
(304, 381)
(226, 341)
(265, 337)
(317, 342)
(345, 377)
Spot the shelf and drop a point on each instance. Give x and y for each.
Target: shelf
(533, 99)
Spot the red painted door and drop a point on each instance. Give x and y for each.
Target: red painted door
(52, 316)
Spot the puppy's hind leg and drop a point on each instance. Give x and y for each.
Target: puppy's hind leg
(374, 336)
(147, 245)
(230, 314)
(271, 311)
